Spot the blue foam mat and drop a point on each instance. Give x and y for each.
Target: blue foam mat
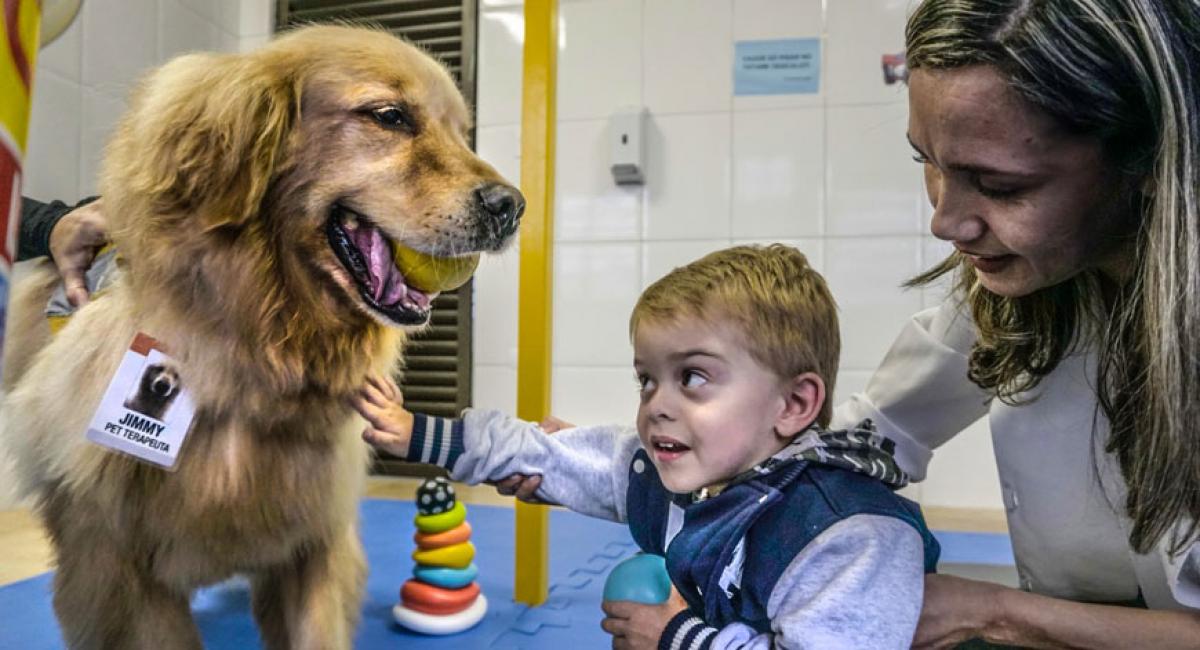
(582, 551)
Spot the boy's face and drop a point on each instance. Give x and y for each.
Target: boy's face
(708, 409)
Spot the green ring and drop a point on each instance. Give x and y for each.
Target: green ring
(442, 521)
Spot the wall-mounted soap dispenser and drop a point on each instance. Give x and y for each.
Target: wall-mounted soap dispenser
(626, 129)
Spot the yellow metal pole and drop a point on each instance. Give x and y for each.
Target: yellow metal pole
(537, 265)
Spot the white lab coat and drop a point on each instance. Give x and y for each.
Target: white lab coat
(1064, 496)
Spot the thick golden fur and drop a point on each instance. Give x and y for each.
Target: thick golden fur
(217, 185)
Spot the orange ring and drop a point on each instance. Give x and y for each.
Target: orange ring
(435, 600)
(456, 535)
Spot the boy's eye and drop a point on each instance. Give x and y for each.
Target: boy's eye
(693, 379)
(644, 383)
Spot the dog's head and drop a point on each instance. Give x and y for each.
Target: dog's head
(296, 169)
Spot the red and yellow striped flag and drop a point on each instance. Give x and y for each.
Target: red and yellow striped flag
(18, 54)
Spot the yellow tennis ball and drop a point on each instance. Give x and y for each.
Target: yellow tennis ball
(434, 274)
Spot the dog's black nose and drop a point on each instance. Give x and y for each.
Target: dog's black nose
(504, 204)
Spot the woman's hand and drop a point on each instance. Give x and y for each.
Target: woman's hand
(73, 245)
(635, 626)
(379, 401)
(525, 487)
(955, 610)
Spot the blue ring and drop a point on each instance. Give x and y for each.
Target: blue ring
(446, 577)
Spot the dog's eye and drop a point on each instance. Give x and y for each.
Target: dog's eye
(392, 117)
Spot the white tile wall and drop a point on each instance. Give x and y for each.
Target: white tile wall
(501, 146)
(84, 77)
(120, 41)
(498, 87)
(755, 20)
(494, 337)
(688, 176)
(184, 28)
(963, 472)
(602, 395)
(101, 110)
(600, 58)
(777, 156)
(595, 288)
(859, 33)
(494, 387)
(874, 187)
(51, 166)
(688, 61)
(828, 172)
(864, 274)
(62, 56)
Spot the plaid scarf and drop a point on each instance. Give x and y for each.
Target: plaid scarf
(859, 449)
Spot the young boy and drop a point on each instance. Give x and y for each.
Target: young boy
(776, 532)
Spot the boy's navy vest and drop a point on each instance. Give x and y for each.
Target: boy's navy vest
(777, 514)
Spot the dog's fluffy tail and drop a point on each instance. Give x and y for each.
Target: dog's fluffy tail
(27, 330)
(26, 333)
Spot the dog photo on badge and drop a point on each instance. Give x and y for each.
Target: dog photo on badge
(155, 391)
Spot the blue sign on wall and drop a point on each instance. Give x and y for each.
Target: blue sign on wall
(779, 67)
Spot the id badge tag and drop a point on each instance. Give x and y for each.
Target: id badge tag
(145, 413)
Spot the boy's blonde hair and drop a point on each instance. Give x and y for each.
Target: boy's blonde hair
(779, 303)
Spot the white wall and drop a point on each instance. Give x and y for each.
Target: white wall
(829, 172)
(83, 77)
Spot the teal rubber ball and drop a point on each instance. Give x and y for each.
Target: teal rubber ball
(642, 578)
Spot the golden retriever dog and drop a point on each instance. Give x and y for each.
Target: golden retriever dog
(254, 199)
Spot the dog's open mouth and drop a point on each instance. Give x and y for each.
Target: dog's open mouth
(368, 255)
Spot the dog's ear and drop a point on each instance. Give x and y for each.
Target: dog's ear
(204, 137)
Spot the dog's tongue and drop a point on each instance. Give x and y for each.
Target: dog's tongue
(387, 283)
(378, 254)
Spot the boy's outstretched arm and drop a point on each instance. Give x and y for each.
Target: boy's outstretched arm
(585, 469)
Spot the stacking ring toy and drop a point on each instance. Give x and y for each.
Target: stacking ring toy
(442, 597)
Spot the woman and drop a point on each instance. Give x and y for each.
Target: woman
(1061, 147)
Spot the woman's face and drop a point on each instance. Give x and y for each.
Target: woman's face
(1027, 203)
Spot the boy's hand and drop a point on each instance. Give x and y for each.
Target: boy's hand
(635, 626)
(379, 401)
